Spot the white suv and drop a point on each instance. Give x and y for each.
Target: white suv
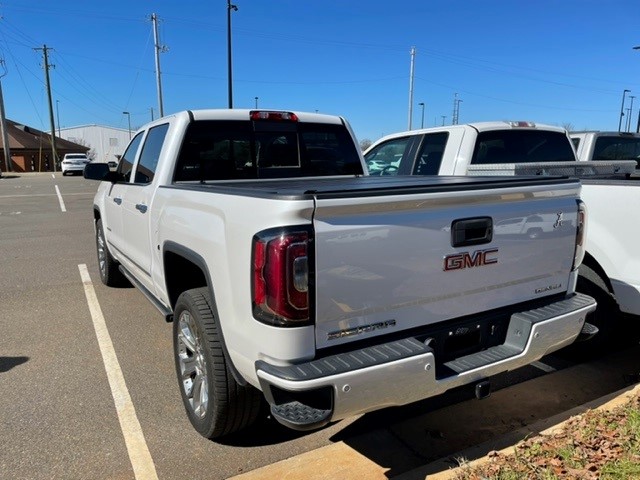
(74, 162)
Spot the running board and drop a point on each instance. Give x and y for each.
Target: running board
(168, 314)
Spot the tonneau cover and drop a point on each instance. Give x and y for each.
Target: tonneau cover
(332, 187)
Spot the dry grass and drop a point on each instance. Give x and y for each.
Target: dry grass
(595, 445)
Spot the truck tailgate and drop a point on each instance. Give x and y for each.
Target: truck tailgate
(385, 264)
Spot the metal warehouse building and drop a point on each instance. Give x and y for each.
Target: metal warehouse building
(106, 143)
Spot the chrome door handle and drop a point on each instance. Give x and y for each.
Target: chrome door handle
(141, 207)
(117, 200)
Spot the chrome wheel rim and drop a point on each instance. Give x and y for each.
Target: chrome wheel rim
(102, 253)
(193, 365)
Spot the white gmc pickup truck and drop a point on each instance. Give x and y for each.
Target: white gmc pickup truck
(292, 276)
(610, 271)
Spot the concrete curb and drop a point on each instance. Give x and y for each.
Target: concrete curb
(442, 469)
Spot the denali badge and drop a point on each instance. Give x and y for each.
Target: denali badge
(548, 288)
(458, 261)
(349, 332)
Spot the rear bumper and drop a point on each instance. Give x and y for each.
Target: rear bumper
(309, 395)
(72, 168)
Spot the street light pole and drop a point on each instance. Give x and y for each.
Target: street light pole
(624, 93)
(630, 114)
(637, 47)
(230, 80)
(443, 117)
(256, 102)
(422, 115)
(129, 121)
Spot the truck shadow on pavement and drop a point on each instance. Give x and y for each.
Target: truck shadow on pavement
(7, 363)
(523, 402)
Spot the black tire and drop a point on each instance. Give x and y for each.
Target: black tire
(216, 404)
(107, 265)
(607, 317)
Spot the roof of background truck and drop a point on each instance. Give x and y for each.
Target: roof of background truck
(608, 134)
(479, 126)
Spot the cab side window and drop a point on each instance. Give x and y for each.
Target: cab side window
(146, 169)
(125, 167)
(430, 156)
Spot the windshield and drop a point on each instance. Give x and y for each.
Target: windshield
(230, 150)
(522, 146)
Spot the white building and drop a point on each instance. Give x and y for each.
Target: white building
(106, 143)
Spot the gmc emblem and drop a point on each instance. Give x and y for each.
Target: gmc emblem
(479, 258)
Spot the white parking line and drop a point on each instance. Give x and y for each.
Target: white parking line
(53, 176)
(139, 455)
(543, 366)
(62, 207)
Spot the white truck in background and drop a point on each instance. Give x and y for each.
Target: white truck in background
(293, 277)
(610, 271)
(599, 145)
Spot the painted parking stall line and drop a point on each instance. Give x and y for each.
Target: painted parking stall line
(60, 200)
(139, 455)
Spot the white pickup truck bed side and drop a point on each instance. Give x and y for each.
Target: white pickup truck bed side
(330, 292)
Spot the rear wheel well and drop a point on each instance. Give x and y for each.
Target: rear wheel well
(592, 263)
(181, 274)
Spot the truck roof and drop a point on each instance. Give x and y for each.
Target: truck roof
(243, 114)
(480, 127)
(605, 133)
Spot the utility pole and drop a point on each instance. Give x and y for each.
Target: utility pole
(152, 119)
(46, 66)
(58, 117)
(443, 117)
(230, 7)
(158, 49)
(630, 114)
(624, 93)
(3, 125)
(456, 110)
(413, 59)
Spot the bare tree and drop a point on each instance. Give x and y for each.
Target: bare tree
(365, 143)
(568, 127)
(91, 153)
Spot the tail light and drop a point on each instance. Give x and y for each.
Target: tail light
(581, 230)
(280, 277)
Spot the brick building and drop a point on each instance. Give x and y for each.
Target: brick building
(31, 149)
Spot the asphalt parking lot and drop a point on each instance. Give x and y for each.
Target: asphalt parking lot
(67, 340)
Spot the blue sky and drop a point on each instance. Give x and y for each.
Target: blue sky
(557, 62)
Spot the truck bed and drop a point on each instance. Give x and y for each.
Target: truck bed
(328, 187)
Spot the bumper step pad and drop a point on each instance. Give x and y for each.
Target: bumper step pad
(299, 416)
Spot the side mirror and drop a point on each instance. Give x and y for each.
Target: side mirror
(99, 171)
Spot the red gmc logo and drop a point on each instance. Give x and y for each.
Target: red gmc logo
(479, 258)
